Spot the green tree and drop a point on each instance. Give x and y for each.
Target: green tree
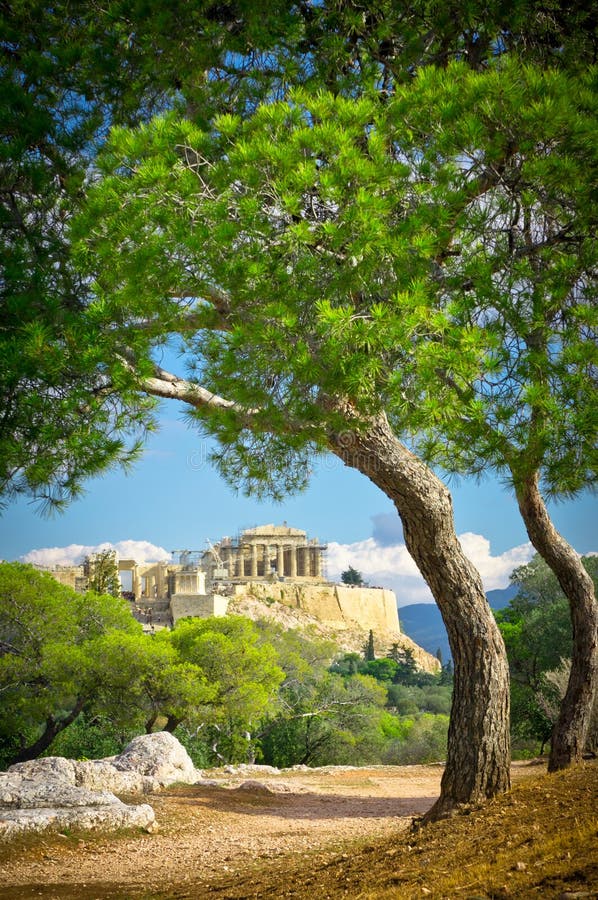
(407, 671)
(102, 572)
(140, 682)
(327, 393)
(536, 628)
(383, 670)
(348, 664)
(61, 421)
(326, 720)
(521, 303)
(116, 63)
(48, 661)
(67, 72)
(319, 719)
(369, 651)
(243, 674)
(363, 361)
(424, 741)
(352, 576)
(348, 50)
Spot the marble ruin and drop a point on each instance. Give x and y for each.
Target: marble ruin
(271, 552)
(268, 562)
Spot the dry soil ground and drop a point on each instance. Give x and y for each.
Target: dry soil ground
(328, 833)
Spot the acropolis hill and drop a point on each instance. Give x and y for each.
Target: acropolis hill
(271, 571)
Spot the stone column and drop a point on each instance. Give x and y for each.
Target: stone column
(136, 583)
(280, 560)
(254, 560)
(317, 562)
(293, 572)
(267, 552)
(160, 580)
(303, 561)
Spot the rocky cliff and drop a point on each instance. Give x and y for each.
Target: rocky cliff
(342, 614)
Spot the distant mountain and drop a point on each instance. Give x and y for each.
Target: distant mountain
(500, 598)
(423, 623)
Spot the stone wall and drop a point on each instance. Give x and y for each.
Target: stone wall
(198, 605)
(337, 606)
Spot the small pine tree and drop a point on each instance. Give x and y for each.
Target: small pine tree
(407, 670)
(369, 652)
(446, 673)
(395, 653)
(352, 576)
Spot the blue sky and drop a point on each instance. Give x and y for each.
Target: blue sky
(173, 499)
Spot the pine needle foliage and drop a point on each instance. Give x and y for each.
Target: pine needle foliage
(431, 256)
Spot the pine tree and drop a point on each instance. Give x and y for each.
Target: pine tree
(369, 652)
(352, 577)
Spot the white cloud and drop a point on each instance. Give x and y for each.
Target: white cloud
(141, 551)
(380, 564)
(495, 570)
(393, 567)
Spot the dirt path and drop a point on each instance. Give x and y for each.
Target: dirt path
(209, 836)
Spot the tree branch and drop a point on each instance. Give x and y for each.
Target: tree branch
(171, 387)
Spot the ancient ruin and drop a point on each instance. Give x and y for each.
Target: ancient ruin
(269, 571)
(271, 552)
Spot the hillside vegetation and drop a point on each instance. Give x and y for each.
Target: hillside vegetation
(79, 678)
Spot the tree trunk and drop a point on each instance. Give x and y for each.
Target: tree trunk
(478, 756)
(571, 729)
(53, 728)
(150, 723)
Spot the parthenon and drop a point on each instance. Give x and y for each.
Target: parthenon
(264, 553)
(270, 552)
(272, 563)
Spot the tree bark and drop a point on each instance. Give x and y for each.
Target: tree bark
(478, 756)
(571, 729)
(53, 728)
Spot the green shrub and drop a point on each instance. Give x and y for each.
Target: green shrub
(425, 742)
(90, 738)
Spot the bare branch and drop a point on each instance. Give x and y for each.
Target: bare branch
(171, 387)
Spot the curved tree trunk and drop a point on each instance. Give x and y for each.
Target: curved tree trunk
(52, 729)
(571, 729)
(478, 757)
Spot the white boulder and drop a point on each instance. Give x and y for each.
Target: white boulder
(56, 793)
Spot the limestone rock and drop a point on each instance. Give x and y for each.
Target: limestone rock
(112, 815)
(260, 601)
(50, 768)
(36, 804)
(159, 756)
(55, 793)
(101, 774)
(248, 768)
(20, 792)
(149, 762)
(255, 787)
